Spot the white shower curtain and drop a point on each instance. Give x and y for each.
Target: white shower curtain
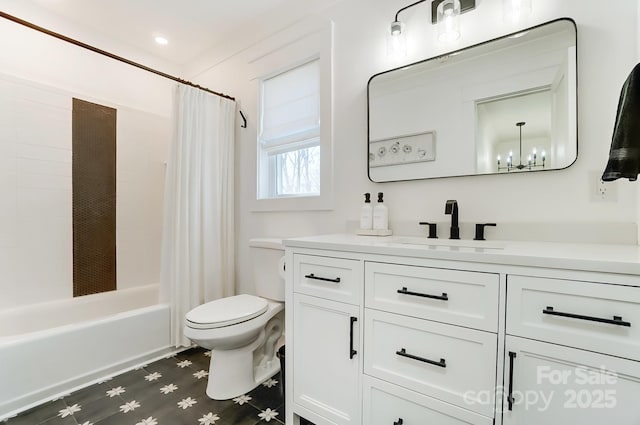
(198, 233)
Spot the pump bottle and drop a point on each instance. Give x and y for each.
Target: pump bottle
(380, 215)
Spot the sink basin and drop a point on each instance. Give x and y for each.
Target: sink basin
(450, 243)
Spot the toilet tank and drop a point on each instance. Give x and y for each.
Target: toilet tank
(267, 260)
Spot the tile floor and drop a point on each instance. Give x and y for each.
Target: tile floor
(170, 391)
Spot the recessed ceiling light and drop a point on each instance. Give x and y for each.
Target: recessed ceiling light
(161, 40)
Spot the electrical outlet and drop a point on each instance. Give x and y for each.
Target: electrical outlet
(602, 191)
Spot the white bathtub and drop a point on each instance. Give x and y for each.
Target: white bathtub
(52, 348)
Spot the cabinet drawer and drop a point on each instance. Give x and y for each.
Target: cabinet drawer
(336, 279)
(593, 316)
(450, 296)
(447, 362)
(387, 404)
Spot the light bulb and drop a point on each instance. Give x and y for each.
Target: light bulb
(396, 40)
(448, 20)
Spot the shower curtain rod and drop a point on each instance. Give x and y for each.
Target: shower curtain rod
(108, 54)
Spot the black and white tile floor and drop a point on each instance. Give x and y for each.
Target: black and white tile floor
(170, 391)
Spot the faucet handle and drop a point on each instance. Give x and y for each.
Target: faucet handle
(480, 230)
(433, 233)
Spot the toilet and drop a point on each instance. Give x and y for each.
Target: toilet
(242, 331)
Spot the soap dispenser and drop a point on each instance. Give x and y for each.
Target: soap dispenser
(366, 213)
(380, 215)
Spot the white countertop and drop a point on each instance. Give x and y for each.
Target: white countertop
(572, 256)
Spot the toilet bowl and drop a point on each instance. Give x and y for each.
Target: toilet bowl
(242, 331)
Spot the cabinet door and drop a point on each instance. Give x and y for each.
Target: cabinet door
(326, 359)
(552, 384)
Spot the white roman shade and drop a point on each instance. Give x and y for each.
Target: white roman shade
(291, 109)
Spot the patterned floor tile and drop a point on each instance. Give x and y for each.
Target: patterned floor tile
(267, 395)
(198, 356)
(97, 410)
(171, 391)
(87, 395)
(244, 414)
(38, 414)
(60, 421)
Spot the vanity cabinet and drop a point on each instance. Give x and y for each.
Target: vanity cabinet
(326, 353)
(385, 334)
(573, 352)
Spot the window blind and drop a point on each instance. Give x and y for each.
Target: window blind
(291, 109)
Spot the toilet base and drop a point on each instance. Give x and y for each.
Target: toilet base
(236, 372)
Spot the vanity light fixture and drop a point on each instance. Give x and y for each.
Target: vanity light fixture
(445, 13)
(531, 159)
(515, 10)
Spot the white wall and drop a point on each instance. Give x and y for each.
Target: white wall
(606, 53)
(39, 76)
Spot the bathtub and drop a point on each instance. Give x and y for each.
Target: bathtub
(52, 348)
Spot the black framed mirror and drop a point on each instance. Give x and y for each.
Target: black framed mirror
(505, 106)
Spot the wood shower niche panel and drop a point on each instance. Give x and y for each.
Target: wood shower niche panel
(94, 198)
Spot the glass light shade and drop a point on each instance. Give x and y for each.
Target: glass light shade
(515, 10)
(448, 20)
(397, 40)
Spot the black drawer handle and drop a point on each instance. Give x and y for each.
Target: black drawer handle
(617, 320)
(403, 353)
(404, 291)
(352, 352)
(324, 279)
(510, 398)
(398, 422)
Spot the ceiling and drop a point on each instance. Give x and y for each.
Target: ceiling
(191, 26)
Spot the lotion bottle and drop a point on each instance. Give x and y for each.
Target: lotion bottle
(366, 213)
(380, 215)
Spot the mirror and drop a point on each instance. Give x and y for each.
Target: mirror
(505, 106)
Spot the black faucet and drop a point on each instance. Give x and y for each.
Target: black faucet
(451, 208)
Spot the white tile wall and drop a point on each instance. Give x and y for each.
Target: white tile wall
(36, 244)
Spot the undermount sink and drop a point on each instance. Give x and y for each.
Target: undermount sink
(450, 243)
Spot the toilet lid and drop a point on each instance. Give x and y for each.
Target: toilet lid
(226, 311)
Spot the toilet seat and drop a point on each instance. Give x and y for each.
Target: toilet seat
(226, 312)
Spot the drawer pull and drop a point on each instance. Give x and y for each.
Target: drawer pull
(510, 398)
(352, 352)
(324, 279)
(398, 422)
(404, 291)
(403, 353)
(617, 320)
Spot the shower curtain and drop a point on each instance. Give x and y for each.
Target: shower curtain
(198, 232)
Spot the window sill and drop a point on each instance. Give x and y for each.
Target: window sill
(293, 203)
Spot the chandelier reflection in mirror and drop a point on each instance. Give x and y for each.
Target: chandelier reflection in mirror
(532, 159)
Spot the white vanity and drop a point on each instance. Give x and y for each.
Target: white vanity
(409, 331)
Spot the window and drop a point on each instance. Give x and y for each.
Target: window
(289, 133)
